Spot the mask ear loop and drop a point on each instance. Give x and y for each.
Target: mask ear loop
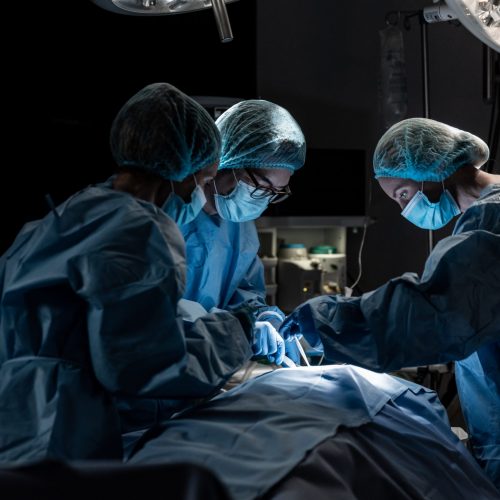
(195, 181)
(215, 186)
(442, 183)
(172, 186)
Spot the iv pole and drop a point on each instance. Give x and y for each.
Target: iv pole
(425, 89)
(424, 49)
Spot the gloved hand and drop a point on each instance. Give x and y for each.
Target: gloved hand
(308, 318)
(268, 342)
(273, 315)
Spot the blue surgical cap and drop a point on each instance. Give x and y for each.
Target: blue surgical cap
(162, 130)
(260, 134)
(426, 150)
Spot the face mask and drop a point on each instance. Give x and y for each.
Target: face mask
(421, 212)
(238, 205)
(182, 212)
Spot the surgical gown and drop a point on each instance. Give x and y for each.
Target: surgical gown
(224, 269)
(452, 313)
(88, 317)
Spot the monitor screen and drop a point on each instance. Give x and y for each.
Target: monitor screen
(331, 183)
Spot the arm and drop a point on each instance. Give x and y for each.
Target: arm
(139, 346)
(252, 292)
(447, 315)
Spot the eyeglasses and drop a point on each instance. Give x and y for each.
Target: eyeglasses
(275, 195)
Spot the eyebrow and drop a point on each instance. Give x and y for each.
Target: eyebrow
(268, 181)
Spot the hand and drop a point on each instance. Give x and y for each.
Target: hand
(268, 342)
(273, 315)
(308, 318)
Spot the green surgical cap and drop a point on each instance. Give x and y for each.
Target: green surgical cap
(426, 150)
(260, 134)
(162, 130)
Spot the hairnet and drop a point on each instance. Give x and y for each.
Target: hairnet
(260, 134)
(162, 130)
(426, 150)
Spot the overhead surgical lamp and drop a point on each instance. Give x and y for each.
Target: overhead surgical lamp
(165, 7)
(480, 17)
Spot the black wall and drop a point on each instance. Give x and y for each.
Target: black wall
(318, 58)
(77, 64)
(321, 60)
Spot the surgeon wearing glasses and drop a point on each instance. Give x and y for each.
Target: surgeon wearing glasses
(262, 146)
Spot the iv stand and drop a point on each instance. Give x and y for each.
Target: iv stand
(425, 88)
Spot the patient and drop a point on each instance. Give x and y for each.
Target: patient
(322, 432)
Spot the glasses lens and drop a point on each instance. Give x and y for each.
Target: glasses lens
(259, 193)
(278, 198)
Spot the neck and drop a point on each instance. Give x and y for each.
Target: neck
(467, 183)
(145, 187)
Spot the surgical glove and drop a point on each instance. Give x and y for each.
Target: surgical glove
(273, 315)
(308, 318)
(268, 342)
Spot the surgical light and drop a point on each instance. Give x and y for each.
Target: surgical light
(480, 17)
(165, 7)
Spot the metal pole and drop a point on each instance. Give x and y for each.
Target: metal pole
(425, 86)
(487, 74)
(222, 20)
(425, 68)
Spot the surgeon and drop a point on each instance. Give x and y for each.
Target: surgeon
(91, 341)
(262, 146)
(452, 313)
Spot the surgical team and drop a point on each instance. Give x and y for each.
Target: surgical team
(140, 297)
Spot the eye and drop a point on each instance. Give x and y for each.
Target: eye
(403, 195)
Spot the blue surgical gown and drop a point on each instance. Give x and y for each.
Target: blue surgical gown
(88, 318)
(452, 313)
(224, 269)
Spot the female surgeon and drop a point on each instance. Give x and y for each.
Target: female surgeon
(452, 313)
(262, 146)
(89, 328)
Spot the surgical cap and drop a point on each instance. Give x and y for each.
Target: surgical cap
(162, 130)
(426, 150)
(260, 134)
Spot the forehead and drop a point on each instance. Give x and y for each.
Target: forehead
(392, 184)
(277, 176)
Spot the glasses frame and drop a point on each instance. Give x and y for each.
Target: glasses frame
(275, 195)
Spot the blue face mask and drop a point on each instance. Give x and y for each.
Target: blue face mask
(182, 212)
(426, 215)
(238, 205)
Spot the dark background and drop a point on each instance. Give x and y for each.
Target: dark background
(313, 194)
(70, 66)
(79, 67)
(321, 60)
